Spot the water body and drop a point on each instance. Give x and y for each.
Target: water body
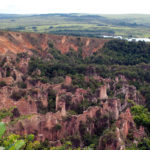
(139, 39)
(128, 39)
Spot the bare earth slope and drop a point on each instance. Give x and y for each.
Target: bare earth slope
(18, 42)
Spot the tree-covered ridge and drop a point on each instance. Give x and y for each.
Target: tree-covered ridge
(123, 53)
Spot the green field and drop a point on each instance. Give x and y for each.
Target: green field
(79, 24)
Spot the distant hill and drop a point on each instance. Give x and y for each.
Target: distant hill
(79, 24)
(9, 16)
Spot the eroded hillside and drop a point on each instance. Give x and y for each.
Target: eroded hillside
(18, 42)
(60, 95)
(66, 111)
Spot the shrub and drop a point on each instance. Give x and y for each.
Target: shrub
(40, 108)
(90, 140)
(68, 117)
(8, 71)
(18, 95)
(57, 79)
(82, 128)
(57, 127)
(109, 137)
(22, 85)
(3, 62)
(71, 112)
(70, 88)
(118, 86)
(144, 144)
(141, 116)
(50, 44)
(130, 135)
(12, 143)
(33, 92)
(51, 100)
(44, 79)
(22, 55)
(2, 84)
(75, 140)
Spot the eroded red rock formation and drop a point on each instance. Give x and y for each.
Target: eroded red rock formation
(57, 111)
(17, 42)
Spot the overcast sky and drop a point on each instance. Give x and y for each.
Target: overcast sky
(75, 6)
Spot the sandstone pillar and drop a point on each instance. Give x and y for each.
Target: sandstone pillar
(103, 92)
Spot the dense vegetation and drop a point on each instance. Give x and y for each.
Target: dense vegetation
(123, 53)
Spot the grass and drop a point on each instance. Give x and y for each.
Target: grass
(80, 24)
(137, 18)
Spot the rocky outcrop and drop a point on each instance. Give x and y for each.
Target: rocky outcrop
(35, 103)
(130, 92)
(103, 92)
(53, 126)
(7, 80)
(114, 138)
(61, 105)
(46, 125)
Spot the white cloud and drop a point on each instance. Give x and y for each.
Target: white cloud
(77, 6)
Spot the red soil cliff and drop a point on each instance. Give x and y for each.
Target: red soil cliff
(17, 42)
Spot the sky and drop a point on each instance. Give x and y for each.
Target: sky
(75, 6)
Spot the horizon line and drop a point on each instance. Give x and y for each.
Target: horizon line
(76, 13)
